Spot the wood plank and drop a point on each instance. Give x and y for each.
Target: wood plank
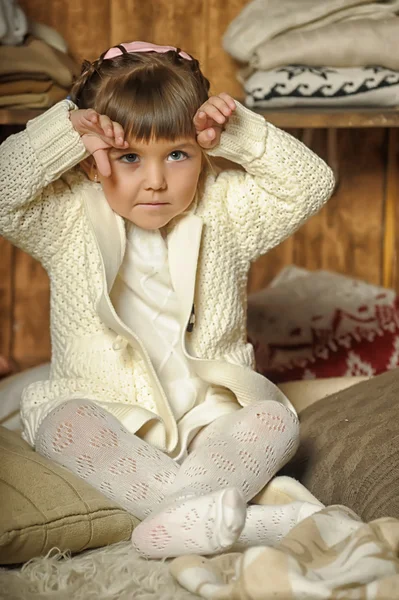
(6, 297)
(286, 120)
(17, 116)
(390, 274)
(84, 25)
(347, 235)
(160, 21)
(131, 20)
(31, 339)
(333, 118)
(221, 68)
(182, 24)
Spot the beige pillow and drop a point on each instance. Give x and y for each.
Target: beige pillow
(11, 389)
(44, 505)
(349, 451)
(304, 392)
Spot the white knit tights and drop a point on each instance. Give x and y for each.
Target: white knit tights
(238, 452)
(199, 507)
(89, 441)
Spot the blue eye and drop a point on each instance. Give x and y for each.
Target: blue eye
(178, 155)
(129, 158)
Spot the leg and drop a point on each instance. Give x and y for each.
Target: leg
(240, 452)
(87, 440)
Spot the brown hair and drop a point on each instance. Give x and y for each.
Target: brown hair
(152, 95)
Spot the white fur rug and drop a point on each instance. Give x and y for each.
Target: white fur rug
(112, 573)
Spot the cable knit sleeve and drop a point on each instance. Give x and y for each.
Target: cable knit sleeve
(284, 182)
(36, 206)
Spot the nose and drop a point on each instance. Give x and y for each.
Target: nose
(154, 177)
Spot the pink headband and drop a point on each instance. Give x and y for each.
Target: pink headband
(142, 47)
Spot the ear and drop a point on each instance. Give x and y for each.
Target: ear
(89, 166)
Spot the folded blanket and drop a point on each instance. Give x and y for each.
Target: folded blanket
(34, 57)
(262, 20)
(25, 86)
(30, 100)
(355, 43)
(20, 76)
(299, 85)
(330, 555)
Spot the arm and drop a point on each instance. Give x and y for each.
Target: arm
(36, 208)
(284, 182)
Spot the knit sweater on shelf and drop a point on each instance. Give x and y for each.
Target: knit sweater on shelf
(52, 211)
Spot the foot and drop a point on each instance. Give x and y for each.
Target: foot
(198, 525)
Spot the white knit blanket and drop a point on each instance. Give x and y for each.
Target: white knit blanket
(338, 33)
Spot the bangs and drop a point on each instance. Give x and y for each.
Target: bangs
(151, 104)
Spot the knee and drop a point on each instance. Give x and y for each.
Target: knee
(274, 416)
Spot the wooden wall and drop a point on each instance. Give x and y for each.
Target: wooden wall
(353, 234)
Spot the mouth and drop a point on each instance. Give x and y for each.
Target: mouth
(152, 204)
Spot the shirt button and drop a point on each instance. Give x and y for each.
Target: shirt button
(119, 344)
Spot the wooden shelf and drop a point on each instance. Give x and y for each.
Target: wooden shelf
(290, 118)
(338, 118)
(18, 116)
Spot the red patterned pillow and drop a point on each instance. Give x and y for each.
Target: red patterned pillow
(315, 325)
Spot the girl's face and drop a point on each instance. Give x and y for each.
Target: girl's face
(151, 183)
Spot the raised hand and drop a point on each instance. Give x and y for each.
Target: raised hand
(211, 118)
(98, 134)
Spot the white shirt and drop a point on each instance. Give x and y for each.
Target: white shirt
(144, 298)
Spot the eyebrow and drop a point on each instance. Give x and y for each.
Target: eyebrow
(132, 149)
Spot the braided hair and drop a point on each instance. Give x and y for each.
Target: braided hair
(151, 95)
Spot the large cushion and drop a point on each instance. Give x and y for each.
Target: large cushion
(43, 506)
(11, 389)
(309, 325)
(349, 451)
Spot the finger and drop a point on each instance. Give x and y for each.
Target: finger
(93, 128)
(221, 105)
(107, 126)
(214, 113)
(229, 100)
(209, 138)
(119, 134)
(199, 120)
(91, 116)
(102, 161)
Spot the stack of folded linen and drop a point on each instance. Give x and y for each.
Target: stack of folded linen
(312, 53)
(35, 69)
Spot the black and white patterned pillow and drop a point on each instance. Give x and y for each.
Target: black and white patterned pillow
(300, 85)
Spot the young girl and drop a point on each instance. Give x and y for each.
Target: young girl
(153, 397)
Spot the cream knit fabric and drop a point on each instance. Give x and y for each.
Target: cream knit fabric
(49, 209)
(240, 451)
(201, 506)
(145, 300)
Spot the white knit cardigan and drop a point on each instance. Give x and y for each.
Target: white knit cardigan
(53, 212)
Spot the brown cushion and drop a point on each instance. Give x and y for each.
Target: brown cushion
(349, 452)
(44, 505)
